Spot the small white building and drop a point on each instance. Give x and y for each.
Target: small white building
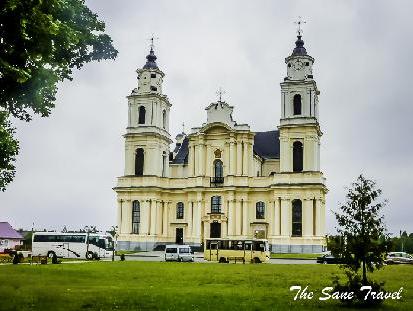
(9, 238)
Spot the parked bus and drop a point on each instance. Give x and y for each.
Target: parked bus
(245, 250)
(72, 245)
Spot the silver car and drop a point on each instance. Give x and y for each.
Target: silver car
(178, 253)
(398, 258)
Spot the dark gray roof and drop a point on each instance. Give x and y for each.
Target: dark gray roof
(151, 61)
(299, 47)
(267, 144)
(182, 155)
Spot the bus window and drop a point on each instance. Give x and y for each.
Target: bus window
(259, 246)
(248, 246)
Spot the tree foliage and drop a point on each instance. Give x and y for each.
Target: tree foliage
(9, 148)
(41, 42)
(362, 242)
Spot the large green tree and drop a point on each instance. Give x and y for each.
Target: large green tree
(41, 42)
(363, 241)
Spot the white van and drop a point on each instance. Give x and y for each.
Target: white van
(178, 253)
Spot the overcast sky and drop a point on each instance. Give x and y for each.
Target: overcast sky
(69, 162)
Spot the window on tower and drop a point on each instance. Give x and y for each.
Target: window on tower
(142, 113)
(297, 218)
(153, 88)
(297, 104)
(297, 156)
(139, 161)
(180, 210)
(164, 119)
(153, 75)
(136, 217)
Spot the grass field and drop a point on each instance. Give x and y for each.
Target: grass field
(177, 286)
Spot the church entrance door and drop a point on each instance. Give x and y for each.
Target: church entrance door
(215, 231)
(179, 239)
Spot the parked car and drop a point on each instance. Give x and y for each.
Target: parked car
(399, 258)
(178, 253)
(328, 259)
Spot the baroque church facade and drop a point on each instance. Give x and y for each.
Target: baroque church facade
(223, 180)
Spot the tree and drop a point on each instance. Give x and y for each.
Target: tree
(41, 42)
(9, 148)
(363, 241)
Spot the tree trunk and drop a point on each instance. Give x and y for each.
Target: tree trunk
(364, 272)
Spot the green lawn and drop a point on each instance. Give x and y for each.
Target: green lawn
(177, 286)
(299, 255)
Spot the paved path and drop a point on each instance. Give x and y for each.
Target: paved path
(199, 257)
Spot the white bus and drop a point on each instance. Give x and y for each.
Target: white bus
(72, 245)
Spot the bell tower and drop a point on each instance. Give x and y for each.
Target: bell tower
(147, 137)
(299, 127)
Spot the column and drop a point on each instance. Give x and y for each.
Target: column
(250, 158)
(230, 217)
(129, 159)
(158, 218)
(165, 219)
(208, 161)
(197, 221)
(285, 217)
(189, 218)
(237, 217)
(128, 216)
(225, 159)
(197, 162)
(245, 160)
(152, 208)
(276, 218)
(144, 225)
(232, 158)
(201, 160)
(239, 159)
(307, 219)
(190, 161)
(245, 220)
(119, 215)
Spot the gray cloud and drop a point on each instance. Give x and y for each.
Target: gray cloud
(69, 161)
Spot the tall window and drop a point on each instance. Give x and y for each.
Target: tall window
(218, 168)
(297, 215)
(216, 204)
(164, 164)
(142, 113)
(297, 104)
(260, 210)
(164, 119)
(139, 161)
(136, 217)
(180, 210)
(297, 156)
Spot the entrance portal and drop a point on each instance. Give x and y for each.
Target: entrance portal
(179, 236)
(215, 230)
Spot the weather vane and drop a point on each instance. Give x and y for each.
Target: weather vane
(152, 40)
(220, 92)
(299, 22)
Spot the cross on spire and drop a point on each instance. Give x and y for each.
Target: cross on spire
(152, 45)
(299, 22)
(220, 92)
(183, 127)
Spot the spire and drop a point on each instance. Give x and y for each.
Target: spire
(151, 60)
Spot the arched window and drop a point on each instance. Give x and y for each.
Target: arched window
(179, 210)
(218, 168)
(164, 119)
(139, 161)
(142, 113)
(297, 218)
(136, 217)
(297, 156)
(216, 204)
(297, 104)
(260, 210)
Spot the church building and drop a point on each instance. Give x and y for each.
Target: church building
(223, 180)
